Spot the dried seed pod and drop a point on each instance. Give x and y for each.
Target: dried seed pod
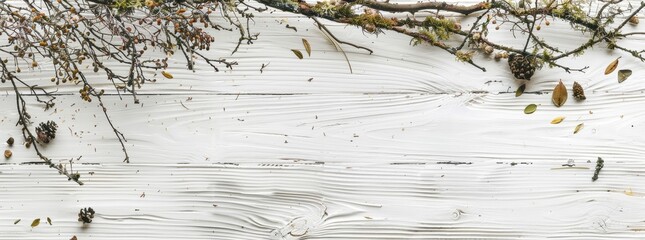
(578, 92)
(634, 20)
(488, 50)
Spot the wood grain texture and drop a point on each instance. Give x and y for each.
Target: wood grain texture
(411, 146)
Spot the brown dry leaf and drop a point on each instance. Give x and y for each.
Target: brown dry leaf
(307, 46)
(35, 223)
(557, 120)
(16, 222)
(578, 128)
(520, 90)
(612, 66)
(530, 108)
(623, 74)
(560, 95)
(74, 238)
(49, 220)
(297, 53)
(7, 153)
(166, 74)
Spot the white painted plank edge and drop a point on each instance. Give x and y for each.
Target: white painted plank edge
(323, 202)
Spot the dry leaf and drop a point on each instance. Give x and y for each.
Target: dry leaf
(74, 238)
(307, 46)
(7, 153)
(16, 222)
(530, 108)
(578, 92)
(166, 74)
(560, 95)
(36, 222)
(629, 192)
(49, 220)
(623, 74)
(612, 66)
(578, 128)
(297, 53)
(520, 90)
(557, 120)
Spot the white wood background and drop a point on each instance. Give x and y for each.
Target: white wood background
(343, 156)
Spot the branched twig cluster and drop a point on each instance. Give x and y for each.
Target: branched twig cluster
(80, 39)
(524, 18)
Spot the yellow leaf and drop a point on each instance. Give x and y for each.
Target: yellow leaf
(297, 53)
(557, 120)
(35, 223)
(530, 108)
(578, 128)
(307, 46)
(520, 90)
(560, 95)
(612, 66)
(629, 192)
(166, 74)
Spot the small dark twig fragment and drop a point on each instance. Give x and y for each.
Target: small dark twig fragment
(599, 164)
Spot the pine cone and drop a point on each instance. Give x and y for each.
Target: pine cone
(45, 132)
(522, 67)
(578, 93)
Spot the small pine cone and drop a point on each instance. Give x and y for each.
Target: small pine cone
(521, 66)
(578, 93)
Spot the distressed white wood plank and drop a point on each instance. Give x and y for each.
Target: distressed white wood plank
(350, 129)
(324, 201)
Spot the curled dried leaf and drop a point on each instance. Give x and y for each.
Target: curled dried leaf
(166, 74)
(612, 66)
(578, 128)
(530, 108)
(297, 53)
(307, 46)
(560, 95)
(35, 223)
(49, 220)
(74, 238)
(520, 90)
(557, 120)
(7, 153)
(623, 74)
